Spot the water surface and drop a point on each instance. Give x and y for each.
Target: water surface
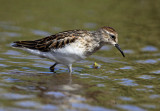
(119, 84)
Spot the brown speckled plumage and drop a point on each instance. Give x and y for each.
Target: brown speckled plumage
(56, 41)
(109, 29)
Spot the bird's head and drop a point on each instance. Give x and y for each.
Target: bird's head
(110, 36)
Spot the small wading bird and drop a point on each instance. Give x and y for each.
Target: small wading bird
(70, 46)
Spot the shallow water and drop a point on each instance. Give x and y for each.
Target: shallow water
(119, 84)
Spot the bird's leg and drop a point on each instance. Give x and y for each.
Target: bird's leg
(52, 67)
(70, 68)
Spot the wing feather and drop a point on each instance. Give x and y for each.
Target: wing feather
(56, 41)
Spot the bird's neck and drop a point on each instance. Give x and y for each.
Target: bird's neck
(95, 43)
(98, 37)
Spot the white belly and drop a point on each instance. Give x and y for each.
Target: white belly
(66, 55)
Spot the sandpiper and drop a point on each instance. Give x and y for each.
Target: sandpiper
(70, 46)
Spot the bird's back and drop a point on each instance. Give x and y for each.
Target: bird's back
(56, 41)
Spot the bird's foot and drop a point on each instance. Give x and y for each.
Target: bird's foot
(52, 69)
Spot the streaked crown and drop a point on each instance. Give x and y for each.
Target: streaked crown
(110, 35)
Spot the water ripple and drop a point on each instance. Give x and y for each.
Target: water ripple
(126, 98)
(154, 96)
(90, 25)
(149, 48)
(16, 96)
(90, 108)
(28, 104)
(106, 59)
(130, 108)
(126, 67)
(128, 51)
(57, 29)
(10, 34)
(149, 86)
(127, 82)
(1, 59)
(55, 94)
(110, 72)
(149, 61)
(11, 80)
(40, 32)
(146, 77)
(149, 106)
(9, 27)
(12, 52)
(3, 65)
(106, 48)
(156, 72)
(100, 85)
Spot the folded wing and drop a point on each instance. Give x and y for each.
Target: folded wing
(56, 41)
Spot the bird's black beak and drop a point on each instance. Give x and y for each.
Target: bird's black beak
(117, 46)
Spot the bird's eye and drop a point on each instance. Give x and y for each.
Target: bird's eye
(112, 36)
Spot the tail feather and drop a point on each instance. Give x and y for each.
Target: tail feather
(25, 44)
